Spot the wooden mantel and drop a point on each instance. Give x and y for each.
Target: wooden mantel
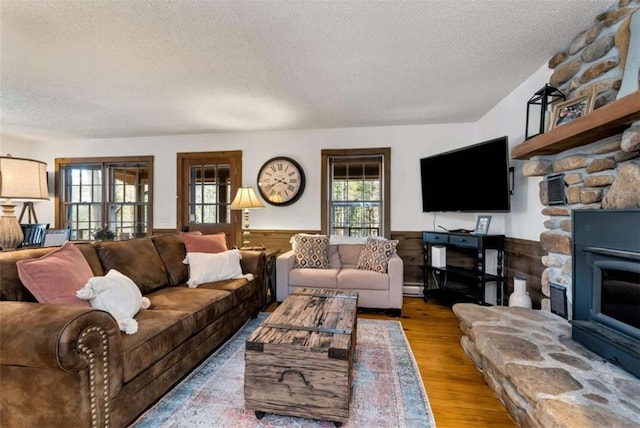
(604, 122)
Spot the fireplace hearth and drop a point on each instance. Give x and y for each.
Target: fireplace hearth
(606, 284)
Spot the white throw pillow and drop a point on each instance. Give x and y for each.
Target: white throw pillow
(209, 267)
(118, 295)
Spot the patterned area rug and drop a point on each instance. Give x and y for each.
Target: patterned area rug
(387, 388)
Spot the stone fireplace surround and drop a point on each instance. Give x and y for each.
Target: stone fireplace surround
(527, 356)
(600, 166)
(543, 377)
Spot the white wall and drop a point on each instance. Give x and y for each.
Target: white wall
(408, 144)
(508, 118)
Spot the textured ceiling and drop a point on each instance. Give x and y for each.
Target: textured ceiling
(90, 69)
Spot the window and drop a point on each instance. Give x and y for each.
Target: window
(355, 192)
(98, 192)
(209, 193)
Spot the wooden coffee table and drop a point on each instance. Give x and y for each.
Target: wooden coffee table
(298, 361)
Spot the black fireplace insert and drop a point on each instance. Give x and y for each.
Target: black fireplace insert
(606, 284)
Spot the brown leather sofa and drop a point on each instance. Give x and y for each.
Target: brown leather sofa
(63, 366)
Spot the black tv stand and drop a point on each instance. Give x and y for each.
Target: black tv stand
(460, 231)
(461, 277)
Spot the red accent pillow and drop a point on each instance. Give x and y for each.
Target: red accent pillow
(215, 243)
(56, 276)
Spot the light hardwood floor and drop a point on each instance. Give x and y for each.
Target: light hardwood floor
(458, 395)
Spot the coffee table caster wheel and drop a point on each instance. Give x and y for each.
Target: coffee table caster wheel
(259, 414)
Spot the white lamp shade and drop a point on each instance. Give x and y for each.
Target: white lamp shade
(23, 179)
(246, 198)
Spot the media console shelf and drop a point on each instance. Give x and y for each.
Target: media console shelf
(474, 276)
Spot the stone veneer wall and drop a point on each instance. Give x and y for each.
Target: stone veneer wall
(602, 174)
(544, 378)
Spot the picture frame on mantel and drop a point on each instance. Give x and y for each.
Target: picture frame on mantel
(482, 225)
(570, 110)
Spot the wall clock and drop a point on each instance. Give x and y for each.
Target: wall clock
(281, 181)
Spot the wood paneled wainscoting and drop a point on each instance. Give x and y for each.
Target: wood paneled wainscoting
(522, 258)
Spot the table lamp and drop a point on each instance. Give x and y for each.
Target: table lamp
(19, 179)
(246, 199)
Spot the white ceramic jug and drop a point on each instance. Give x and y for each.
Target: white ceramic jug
(520, 297)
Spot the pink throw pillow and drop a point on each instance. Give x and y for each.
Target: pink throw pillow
(216, 243)
(56, 276)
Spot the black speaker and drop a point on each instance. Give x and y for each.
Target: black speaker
(558, 296)
(555, 189)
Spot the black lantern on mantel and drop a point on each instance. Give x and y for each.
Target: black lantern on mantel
(539, 110)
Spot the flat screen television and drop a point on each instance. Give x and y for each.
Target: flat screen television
(470, 179)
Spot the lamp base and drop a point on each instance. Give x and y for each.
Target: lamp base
(11, 235)
(245, 238)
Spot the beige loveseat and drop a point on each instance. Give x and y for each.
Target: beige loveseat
(377, 290)
(70, 366)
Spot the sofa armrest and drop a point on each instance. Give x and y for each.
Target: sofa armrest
(252, 262)
(67, 338)
(284, 264)
(395, 270)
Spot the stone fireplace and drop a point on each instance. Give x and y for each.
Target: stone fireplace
(603, 175)
(542, 376)
(529, 357)
(599, 167)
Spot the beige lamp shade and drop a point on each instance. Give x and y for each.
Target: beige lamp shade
(246, 198)
(23, 179)
(19, 179)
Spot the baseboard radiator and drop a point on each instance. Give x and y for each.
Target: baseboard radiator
(412, 289)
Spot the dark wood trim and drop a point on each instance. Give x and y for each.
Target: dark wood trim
(164, 232)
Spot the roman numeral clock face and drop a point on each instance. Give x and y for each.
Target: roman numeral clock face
(281, 181)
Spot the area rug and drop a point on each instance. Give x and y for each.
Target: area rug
(387, 388)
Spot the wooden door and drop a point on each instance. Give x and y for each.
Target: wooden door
(207, 183)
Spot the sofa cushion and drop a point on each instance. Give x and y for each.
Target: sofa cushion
(203, 305)
(316, 278)
(242, 289)
(215, 243)
(11, 288)
(350, 254)
(207, 267)
(88, 250)
(348, 240)
(172, 251)
(311, 251)
(159, 332)
(334, 257)
(56, 276)
(356, 279)
(375, 254)
(135, 258)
